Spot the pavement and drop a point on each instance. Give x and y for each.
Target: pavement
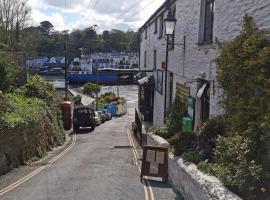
(96, 165)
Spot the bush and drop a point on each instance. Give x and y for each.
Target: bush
(175, 116)
(122, 100)
(160, 131)
(110, 97)
(77, 100)
(186, 142)
(242, 154)
(21, 111)
(208, 133)
(232, 166)
(193, 155)
(8, 73)
(37, 88)
(91, 89)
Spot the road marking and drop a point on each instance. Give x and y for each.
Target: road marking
(137, 157)
(35, 172)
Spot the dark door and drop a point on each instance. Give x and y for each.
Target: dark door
(205, 107)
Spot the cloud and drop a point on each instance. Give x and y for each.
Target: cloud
(107, 14)
(56, 19)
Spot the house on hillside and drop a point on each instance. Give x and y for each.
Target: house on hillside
(192, 50)
(57, 60)
(36, 61)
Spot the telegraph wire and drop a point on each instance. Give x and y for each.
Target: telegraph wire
(89, 4)
(95, 4)
(128, 9)
(140, 10)
(132, 6)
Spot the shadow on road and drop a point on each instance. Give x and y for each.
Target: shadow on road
(161, 184)
(83, 131)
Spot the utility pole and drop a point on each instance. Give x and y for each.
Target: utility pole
(97, 91)
(66, 70)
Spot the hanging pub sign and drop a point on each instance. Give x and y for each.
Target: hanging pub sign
(155, 162)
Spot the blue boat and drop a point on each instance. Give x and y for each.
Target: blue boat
(101, 78)
(82, 71)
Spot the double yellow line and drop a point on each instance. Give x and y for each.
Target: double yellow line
(35, 172)
(146, 184)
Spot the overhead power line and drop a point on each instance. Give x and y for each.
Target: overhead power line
(95, 4)
(140, 10)
(89, 4)
(129, 8)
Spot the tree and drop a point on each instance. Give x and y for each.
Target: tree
(8, 72)
(91, 89)
(13, 18)
(46, 27)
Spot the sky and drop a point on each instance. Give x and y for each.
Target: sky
(106, 14)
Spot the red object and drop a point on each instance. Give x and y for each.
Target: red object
(163, 65)
(67, 114)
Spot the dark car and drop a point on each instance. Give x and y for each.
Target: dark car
(83, 117)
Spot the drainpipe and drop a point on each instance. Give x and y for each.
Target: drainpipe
(166, 72)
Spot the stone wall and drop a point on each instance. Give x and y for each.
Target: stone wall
(186, 179)
(18, 146)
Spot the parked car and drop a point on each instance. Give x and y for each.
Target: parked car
(102, 116)
(97, 119)
(83, 117)
(110, 115)
(107, 115)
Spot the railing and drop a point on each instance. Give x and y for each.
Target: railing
(139, 125)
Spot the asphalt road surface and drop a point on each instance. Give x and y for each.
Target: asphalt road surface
(98, 166)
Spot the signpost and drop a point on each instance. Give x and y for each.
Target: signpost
(155, 162)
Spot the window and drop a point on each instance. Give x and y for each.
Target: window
(145, 54)
(160, 26)
(145, 33)
(159, 85)
(156, 25)
(206, 21)
(155, 60)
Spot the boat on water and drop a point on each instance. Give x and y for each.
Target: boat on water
(84, 70)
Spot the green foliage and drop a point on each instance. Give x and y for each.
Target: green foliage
(233, 167)
(77, 100)
(21, 111)
(43, 90)
(175, 116)
(37, 87)
(185, 142)
(161, 131)
(121, 100)
(110, 97)
(8, 72)
(242, 154)
(91, 89)
(38, 41)
(208, 133)
(193, 155)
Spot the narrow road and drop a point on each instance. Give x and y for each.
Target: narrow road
(99, 166)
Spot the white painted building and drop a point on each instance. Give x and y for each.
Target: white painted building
(57, 60)
(34, 61)
(191, 60)
(122, 60)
